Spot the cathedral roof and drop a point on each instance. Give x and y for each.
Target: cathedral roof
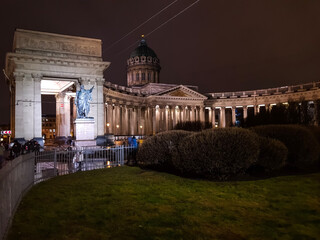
(143, 50)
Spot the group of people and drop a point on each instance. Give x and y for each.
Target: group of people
(16, 149)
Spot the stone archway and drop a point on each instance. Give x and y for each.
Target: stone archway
(40, 58)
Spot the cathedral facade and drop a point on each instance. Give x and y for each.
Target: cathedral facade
(145, 106)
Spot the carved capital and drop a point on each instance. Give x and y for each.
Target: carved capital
(84, 80)
(18, 76)
(36, 76)
(100, 80)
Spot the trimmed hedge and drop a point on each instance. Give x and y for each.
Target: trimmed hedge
(217, 154)
(156, 152)
(315, 130)
(273, 154)
(303, 148)
(194, 126)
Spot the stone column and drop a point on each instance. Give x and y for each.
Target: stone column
(139, 120)
(223, 117)
(163, 118)
(158, 119)
(134, 120)
(130, 120)
(124, 120)
(245, 112)
(74, 116)
(213, 117)
(109, 117)
(184, 111)
(63, 114)
(201, 114)
(267, 107)
(67, 115)
(117, 120)
(166, 113)
(255, 109)
(170, 117)
(233, 116)
(145, 127)
(28, 109)
(196, 115)
(177, 110)
(191, 112)
(154, 120)
(37, 106)
(174, 112)
(149, 121)
(113, 123)
(17, 108)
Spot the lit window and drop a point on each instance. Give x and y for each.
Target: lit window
(50, 130)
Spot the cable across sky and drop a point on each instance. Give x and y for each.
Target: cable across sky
(161, 25)
(136, 28)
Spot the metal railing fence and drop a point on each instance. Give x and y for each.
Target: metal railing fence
(49, 164)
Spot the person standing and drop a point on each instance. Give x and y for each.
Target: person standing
(134, 150)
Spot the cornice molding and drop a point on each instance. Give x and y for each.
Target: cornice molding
(57, 61)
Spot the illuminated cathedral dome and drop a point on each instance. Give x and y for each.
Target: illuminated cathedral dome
(143, 65)
(143, 50)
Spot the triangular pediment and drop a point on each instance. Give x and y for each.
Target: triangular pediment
(181, 91)
(178, 93)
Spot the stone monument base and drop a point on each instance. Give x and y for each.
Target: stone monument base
(84, 132)
(85, 143)
(84, 128)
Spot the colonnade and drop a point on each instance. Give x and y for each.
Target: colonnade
(219, 119)
(217, 114)
(128, 119)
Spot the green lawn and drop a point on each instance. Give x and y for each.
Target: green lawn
(130, 203)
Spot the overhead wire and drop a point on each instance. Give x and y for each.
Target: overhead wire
(136, 28)
(161, 25)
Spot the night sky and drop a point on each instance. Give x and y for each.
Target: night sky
(217, 45)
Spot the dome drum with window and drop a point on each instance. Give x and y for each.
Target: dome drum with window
(143, 66)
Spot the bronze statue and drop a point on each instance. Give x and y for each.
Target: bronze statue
(82, 102)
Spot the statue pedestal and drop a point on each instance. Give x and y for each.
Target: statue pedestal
(84, 132)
